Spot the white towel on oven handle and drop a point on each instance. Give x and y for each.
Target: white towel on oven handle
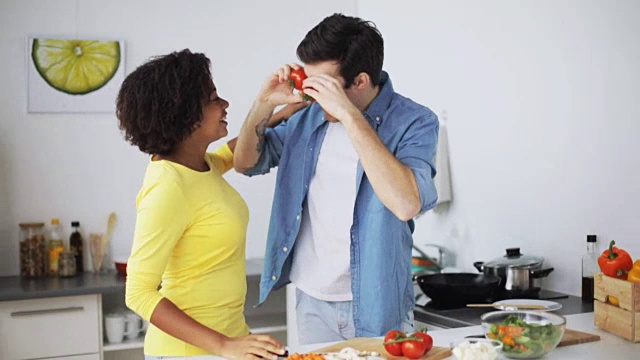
(442, 180)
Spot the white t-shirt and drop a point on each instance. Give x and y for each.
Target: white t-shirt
(321, 262)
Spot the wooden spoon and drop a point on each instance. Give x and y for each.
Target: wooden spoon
(506, 306)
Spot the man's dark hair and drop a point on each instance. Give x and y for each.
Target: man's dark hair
(160, 103)
(354, 43)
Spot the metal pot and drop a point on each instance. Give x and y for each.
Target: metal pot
(520, 273)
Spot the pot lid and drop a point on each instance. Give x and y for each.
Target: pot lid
(513, 258)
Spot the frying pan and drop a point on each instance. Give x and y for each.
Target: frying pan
(458, 289)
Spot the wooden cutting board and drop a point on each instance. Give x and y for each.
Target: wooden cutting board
(371, 344)
(574, 337)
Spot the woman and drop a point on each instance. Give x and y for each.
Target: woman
(191, 224)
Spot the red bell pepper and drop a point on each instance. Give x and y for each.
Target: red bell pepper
(615, 262)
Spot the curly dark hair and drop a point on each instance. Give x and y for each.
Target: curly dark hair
(160, 103)
(355, 44)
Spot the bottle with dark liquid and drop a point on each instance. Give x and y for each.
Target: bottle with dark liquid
(75, 245)
(589, 268)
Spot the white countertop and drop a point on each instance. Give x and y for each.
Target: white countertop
(610, 347)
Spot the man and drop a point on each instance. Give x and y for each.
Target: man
(354, 168)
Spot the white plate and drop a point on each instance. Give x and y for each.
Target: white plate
(550, 305)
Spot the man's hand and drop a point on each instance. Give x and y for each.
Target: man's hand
(329, 94)
(252, 347)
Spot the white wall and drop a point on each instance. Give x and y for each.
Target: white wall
(77, 166)
(541, 96)
(543, 117)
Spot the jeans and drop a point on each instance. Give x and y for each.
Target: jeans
(324, 321)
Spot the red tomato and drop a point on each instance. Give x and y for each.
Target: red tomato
(427, 340)
(394, 349)
(296, 77)
(413, 349)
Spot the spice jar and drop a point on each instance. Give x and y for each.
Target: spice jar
(67, 264)
(33, 252)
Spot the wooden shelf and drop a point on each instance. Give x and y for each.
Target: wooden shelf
(137, 343)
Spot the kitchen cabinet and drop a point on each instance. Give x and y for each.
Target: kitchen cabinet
(269, 318)
(62, 327)
(62, 317)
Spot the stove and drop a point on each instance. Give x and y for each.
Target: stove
(464, 316)
(537, 293)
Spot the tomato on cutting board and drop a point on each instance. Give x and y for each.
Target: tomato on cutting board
(427, 340)
(412, 346)
(394, 349)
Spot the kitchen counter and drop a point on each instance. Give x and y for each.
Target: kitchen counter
(609, 346)
(16, 288)
(454, 318)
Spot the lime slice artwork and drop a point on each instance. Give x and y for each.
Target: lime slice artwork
(76, 67)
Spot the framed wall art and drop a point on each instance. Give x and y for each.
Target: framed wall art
(70, 75)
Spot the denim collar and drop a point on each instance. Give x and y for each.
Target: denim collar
(381, 102)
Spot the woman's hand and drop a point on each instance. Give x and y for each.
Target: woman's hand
(252, 347)
(276, 90)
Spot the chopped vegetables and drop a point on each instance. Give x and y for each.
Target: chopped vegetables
(310, 356)
(350, 354)
(476, 351)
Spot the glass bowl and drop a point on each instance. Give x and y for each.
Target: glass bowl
(471, 348)
(524, 334)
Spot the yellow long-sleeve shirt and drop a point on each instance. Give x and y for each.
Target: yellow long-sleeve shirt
(189, 237)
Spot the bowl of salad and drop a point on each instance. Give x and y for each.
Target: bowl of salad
(524, 334)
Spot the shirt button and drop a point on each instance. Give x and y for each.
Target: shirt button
(285, 249)
(298, 217)
(273, 278)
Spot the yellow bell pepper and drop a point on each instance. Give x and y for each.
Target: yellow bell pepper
(634, 273)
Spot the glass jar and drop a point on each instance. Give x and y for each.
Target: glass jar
(67, 264)
(33, 251)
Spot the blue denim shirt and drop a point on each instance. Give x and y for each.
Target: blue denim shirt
(381, 243)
